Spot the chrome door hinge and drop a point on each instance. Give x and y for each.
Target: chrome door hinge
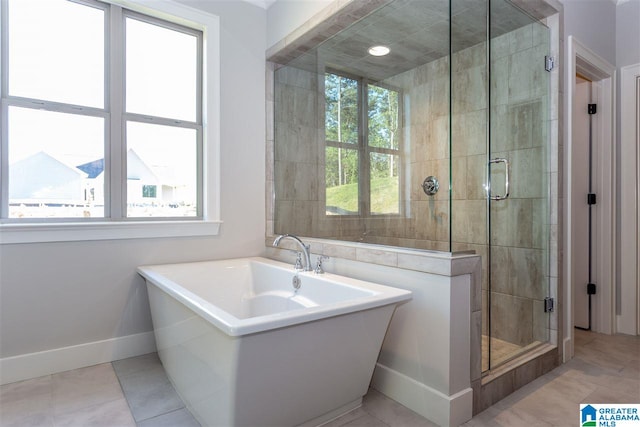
(548, 305)
(549, 63)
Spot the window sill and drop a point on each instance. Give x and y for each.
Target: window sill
(75, 231)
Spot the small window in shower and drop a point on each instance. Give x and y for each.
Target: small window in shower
(362, 152)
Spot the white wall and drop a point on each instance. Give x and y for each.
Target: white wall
(54, 295)
(593, 22)
(612, 31)
(284, 16)
(628, 33)
(627, 53)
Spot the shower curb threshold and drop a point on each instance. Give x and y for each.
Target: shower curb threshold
(513, 375)
(516, 362)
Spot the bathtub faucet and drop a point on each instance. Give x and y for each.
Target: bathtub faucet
(305, 249)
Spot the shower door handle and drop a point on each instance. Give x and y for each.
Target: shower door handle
(506, 178)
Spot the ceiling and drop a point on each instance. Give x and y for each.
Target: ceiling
(416, 31)
(265, 4)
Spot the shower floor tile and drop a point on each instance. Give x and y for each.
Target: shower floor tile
(501, 351)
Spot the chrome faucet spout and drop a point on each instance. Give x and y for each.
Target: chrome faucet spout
(305, 248)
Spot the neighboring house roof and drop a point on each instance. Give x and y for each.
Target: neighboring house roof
(92, 169)
(138, 168)
(43, 176)
(43, 157)
(96, 167)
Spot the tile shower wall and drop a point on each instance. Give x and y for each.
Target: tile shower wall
(299, 159)
(426, 137)
(519, 132)
(297, 174)
(469, 158)
(520, 224)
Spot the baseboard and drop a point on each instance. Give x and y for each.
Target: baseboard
(625, 325)
(32, 365)
(438, 407)
(567, 349)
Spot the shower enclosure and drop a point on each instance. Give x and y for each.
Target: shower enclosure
(424, 125)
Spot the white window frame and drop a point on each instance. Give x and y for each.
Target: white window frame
(123, 228)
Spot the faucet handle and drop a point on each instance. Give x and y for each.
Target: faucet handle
(319, 269)
(298, 264)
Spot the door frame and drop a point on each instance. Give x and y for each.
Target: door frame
(580, 59)
(628, 319)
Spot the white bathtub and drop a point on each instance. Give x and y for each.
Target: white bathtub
(244, 348)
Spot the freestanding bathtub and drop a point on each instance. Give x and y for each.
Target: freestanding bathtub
(243, 347)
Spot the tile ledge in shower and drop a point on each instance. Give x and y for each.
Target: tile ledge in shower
(441, 263)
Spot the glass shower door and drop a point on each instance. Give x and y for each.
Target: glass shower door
(517, 187)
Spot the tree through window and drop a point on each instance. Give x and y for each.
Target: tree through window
(362, 153)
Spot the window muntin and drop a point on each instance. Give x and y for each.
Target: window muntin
(362, 154)
(100, 196)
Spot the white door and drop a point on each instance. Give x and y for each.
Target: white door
(580, 217)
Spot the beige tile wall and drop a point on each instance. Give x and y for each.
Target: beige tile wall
(519, 128)
(520, 224)
(484, 394)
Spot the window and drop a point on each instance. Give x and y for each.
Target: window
(102, 114)
(362, 153)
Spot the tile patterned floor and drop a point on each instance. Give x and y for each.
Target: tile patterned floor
(605, 369)
(124, 393)
(136, 391)
(87, 396)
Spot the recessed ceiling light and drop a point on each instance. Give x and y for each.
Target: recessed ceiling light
(379, 50)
